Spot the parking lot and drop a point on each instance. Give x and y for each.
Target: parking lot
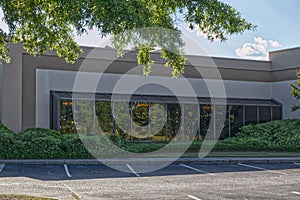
(176, 181)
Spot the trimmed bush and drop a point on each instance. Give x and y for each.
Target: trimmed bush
(283, 135)
(40, 143)
(72, 147)
(4, 129)
(116, 140)
(32, 133)
(7, 141)
(40, 147)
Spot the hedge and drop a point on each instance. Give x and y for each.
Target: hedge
(40, 143)
(282, 135)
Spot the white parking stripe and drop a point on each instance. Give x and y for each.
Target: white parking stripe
(67, 170)
(295, 192)
(260, 168)
(2, 167)
(193, 197)
(197, 170)
(132, 170)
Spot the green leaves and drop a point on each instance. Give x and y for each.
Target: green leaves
(281, 135)
(216, 19)
(3, 48)
(295, 91)
(42, 25)
(144, 58)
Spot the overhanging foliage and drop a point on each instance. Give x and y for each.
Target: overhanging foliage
(50, 24)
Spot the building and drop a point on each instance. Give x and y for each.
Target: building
(37, 91)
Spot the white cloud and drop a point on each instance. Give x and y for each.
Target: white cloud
(259, 50)
(274, 44)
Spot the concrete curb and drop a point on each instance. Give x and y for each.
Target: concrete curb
(147, 161)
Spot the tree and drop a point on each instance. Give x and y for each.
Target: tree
(50, 24)
(295, 91)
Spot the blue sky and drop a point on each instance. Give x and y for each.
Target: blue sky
(278, 24)
(277, 20)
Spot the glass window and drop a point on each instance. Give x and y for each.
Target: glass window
(122, 122)
(250, 115)
(236, 119)
(55, 112)
(276, 113)
(140, 120)
(190, 121)
(84, 116)
(104, 117)
(158, 122)
(174, 119)
(222, 122)
(206, 124)
(264, 114)
(67, 125)
(131, 119)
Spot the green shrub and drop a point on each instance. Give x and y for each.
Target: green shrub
(72, 147)
(40, 143)
(283, 135)
(4, 129)
(143, 147)
(36, 143)
(116, 140)
(98, 145)
(32, 133)
(40, 148)
(7, 141)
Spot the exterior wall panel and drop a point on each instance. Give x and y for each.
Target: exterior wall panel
(281, 92)
(57, 80)
(27, 80)
(12, 90)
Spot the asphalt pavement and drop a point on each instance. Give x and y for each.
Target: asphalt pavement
(176, 181)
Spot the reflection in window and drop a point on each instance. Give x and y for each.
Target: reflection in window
(122, 122)
(174, 119)
(66, 117)
(222, 126)
(84, 116)
(190, 121)
(206, 124)
(264, 114)
(276, 113)
(250, 115)
(131, 119)
(140, 118)
(158, 122)
(236, 119)
(104, 117)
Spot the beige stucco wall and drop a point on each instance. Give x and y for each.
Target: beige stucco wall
(12, 90)
(19, 77)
